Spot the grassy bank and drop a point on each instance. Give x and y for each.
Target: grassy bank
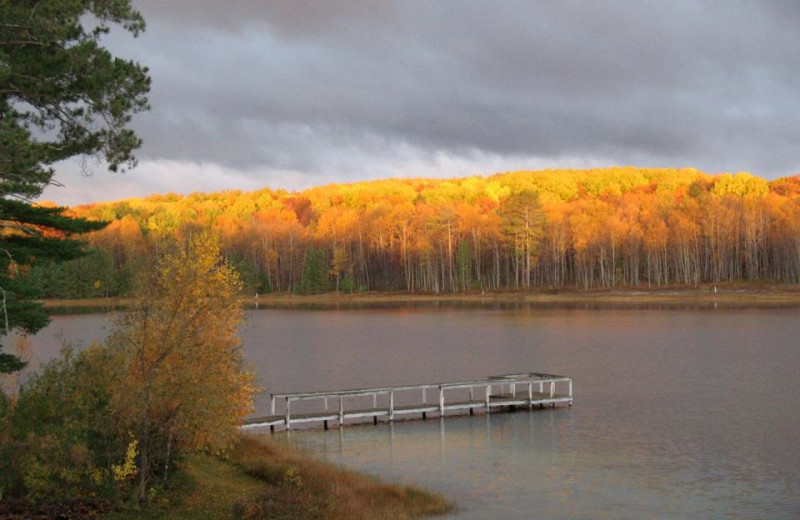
(262, 480)
(733, 293)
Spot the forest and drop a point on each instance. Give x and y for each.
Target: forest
(550, 229)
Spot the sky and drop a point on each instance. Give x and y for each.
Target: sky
(299, 93)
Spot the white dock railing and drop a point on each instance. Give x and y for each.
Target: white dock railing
(496, 392)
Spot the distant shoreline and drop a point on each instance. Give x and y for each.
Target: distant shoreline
(739, 294)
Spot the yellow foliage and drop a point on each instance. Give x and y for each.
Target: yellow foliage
(184, 381)
(408, 231)
(127, 470)
(741, 184)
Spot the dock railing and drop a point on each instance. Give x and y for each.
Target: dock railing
(507, 391)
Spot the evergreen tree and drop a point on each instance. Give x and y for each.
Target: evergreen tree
(522, 222)
(315, 272)
(61, 94)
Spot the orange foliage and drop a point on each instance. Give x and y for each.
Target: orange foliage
(600, 227)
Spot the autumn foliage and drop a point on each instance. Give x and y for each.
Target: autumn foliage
(111, 421)
(550, 229)
(182, 385)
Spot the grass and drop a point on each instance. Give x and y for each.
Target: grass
(262, 480)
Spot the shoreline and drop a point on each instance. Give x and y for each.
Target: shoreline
(258, 478)
(738, 294)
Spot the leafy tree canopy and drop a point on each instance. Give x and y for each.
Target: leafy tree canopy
(61, 95)
(183, 385)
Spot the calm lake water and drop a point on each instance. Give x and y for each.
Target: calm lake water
(679, 413)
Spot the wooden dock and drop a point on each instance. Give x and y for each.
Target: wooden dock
(496, 393)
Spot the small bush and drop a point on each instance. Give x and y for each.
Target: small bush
(60, 444)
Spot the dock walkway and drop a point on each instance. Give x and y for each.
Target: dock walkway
(496, 393)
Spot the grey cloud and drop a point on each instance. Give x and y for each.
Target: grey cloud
(294, 84)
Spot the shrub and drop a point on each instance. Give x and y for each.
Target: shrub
(60, 442)
(170, 380)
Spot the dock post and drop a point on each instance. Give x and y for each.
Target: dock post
(341, 411)
(326, 405)
(288, 422)
(513, 389)
(552, 392)
(530, 394)
(272, 404)
(424, 401)
(325, 425)
(441, 401)
(488, 393)
(471, 399)
(391, 406)
(570, 392)
(541, 391)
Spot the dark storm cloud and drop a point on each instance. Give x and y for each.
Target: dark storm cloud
(315, 86)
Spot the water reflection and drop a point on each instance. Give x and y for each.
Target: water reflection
(535, 465)
(679, 412)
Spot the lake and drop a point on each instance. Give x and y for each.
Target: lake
(679, 412)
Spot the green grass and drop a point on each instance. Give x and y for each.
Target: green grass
(207, 487)
(263, 480)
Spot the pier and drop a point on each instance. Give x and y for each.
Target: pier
(496, 393)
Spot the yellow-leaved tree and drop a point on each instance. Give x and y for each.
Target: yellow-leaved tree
(184, 387)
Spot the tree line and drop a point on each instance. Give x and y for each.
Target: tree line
(611, 227)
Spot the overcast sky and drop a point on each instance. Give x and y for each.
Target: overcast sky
(300, 93)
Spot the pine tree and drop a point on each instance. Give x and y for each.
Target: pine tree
(315, 279)
(61, 95)
(522, 221)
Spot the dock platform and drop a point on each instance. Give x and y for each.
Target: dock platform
(495, 393)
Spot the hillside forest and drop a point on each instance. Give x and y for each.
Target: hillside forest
(551, 229)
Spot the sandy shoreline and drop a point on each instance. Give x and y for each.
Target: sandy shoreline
(735, 294)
